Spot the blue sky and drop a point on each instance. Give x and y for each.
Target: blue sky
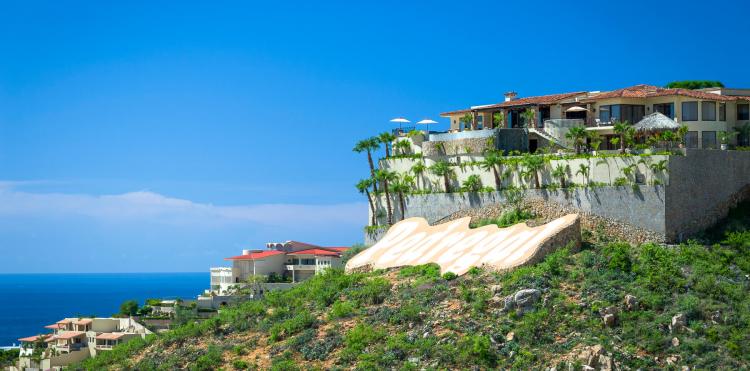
(137, 137)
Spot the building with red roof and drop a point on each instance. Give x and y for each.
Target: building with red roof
(290, 261)
(547, 118)
(75, 339)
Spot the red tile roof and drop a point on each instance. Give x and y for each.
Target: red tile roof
(70, 334)
(321, 252)
(647, 91)
(540, 99)
(83, 322)
(32, 339)
(110, 336)
(342, 249)
(256, 255)
(52, 327)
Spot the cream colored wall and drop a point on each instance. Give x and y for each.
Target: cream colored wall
(104, 325)
(556, 112)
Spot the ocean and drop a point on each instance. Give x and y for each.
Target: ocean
(31, 301)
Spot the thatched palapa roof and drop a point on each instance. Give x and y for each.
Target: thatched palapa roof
(656, 122)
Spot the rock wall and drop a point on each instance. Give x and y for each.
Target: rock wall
(642, 208)
(706, 185)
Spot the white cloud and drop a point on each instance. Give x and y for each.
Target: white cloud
(144, 206)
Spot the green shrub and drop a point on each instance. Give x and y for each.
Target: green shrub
(239, 364)
(431, 270)
(373, 291)
(657, 269)
(476, 349)
(359, 338)
(449, 276)
(619, 257)
(209, 361)
(341, 309)
(291, 326)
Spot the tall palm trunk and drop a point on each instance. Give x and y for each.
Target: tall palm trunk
(622, 143)
(498, 181)
(401, 204)
(373, 219)
(536, 179)
(387, 150)
(447, 182)
(388, 202)
(372, 170)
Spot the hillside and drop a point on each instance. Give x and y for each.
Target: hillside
(610, 305)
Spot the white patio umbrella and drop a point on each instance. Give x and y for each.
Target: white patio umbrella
(400, 121)
(576, 109)
(427, 122)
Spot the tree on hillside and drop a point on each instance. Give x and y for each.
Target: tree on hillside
(402, 185)
(492, 161)
(577, 135)
(443, 168)
(363, 186)
(529, 115)
(368, 145)
(386, 176)
(584, 170)
(533, 165)
(625, 134)
(403, 146)
(694, 84)
(418, 169)
(129, 308)
(560, 172)
(467, 120)
(387, 139)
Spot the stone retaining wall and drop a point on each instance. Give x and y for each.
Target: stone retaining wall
(702, 187)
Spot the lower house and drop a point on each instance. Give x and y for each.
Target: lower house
(75, 339)
(281, 263)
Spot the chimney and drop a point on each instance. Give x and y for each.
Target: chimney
(509, 96)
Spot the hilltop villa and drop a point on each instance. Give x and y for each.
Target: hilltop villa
(706, 112)
(291, 261)
(72, 340)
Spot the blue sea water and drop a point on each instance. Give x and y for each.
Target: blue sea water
(28, 302)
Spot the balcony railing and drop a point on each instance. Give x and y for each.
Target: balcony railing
(301, 267)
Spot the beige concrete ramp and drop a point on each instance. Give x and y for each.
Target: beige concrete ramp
(456, 248)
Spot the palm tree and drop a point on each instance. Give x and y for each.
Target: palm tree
(528, 118)
(418, 169)
(368, 145)
(560, 172)
(386, 176)
(533, 165)
(491, 161)
(444, 169)
(387, 139)
(403, 146)
(402, 185)
(623, 130)
(659, 167)
(584, 171)
(628, 171)
(473, 183)
(363, 186)
(578, 135)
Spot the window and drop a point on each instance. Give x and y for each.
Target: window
(621, 112)
(708, 139)
(743, 112)
(722, 112)
(666, 109)
(689, 111)
(708, 111)
(691, 139)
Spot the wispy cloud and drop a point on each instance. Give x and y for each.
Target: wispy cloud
(145, 206)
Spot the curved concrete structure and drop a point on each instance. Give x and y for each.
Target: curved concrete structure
(456, 248)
